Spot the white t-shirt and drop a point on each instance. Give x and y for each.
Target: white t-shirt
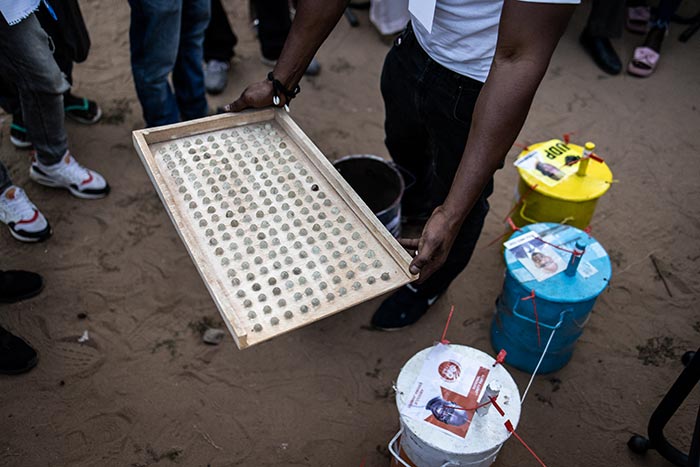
(15, 11)
(464, 33)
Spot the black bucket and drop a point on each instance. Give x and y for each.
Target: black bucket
(380, 185)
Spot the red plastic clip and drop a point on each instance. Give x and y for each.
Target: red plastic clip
(567, 136)
(447, 325)
(509, 426)
(501, 357)
(512, 224)
(522, 146)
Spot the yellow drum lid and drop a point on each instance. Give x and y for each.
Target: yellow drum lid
(545, 165)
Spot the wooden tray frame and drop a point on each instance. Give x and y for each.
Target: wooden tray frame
(221, 293)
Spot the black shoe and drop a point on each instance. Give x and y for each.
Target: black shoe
(16, 356)
(19, 285)
(18, 133)
(81, 109)
(403, 308)
(602, 52)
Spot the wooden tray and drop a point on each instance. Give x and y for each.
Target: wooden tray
(280, 239)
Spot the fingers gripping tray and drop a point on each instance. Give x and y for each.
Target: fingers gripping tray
(279, 238)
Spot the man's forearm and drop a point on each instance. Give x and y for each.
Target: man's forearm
(499, 115)
(314, 21)
(528, 35)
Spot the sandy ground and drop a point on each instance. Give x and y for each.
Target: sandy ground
(145, 391)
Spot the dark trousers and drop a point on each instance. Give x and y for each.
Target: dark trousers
(428, 115)
(607, 18)
(665, 11)
(273, 27)
(219, 38)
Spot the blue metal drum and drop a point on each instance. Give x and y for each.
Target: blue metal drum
(563, 301)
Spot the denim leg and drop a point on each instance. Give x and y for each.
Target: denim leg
(154, 35)
(28, 62)
(188, 75)
(5, 181)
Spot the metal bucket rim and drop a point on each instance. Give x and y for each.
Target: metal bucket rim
(388, 163)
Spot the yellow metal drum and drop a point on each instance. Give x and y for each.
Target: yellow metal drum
(558, 183)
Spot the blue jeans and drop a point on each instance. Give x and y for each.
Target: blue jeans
(26, 61)
(167, 37)
(428, 116)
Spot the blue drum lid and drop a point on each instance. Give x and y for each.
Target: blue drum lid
(591, 278)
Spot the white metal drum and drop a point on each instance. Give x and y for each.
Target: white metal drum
(425, 445)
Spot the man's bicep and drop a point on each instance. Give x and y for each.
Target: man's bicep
(530, 27)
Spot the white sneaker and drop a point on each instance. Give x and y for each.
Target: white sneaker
(69, 174)
(215, 76)
(23, 219)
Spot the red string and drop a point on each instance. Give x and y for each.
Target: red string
(447, 325)
(521, 146)
(509, 426)
(501, 237)
(537, 320)
(498, 407)
(362, 464)
(459, 407)
(573, 252)
(512, 225)
(515, 228)
(592, 155)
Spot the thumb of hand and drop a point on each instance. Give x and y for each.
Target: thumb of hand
(419, 262)
(237, 105)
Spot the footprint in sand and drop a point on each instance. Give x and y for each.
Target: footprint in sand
(66, 357)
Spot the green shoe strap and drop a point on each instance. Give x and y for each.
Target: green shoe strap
(85, 106)
(14, 126)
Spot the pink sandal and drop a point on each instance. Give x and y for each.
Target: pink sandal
(638, 19)
(644, 62)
